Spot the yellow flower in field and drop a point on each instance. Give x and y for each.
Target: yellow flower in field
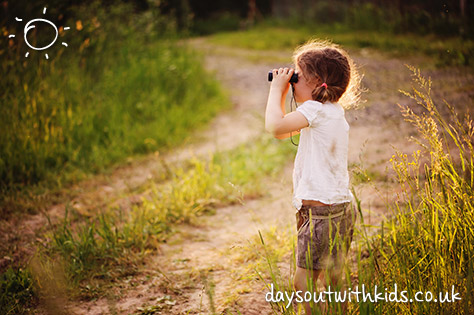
(78, 25)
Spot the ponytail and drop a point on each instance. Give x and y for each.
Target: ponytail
(326, 67)
(327, 93)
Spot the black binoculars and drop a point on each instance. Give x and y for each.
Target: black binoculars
(293, 79)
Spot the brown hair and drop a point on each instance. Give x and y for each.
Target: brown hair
(324, 62)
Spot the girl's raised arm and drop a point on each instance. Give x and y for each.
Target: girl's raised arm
(276, 122)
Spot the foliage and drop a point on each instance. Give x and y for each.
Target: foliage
(443, 18)
(428, 246)
(274, 35)
(17, 293)
(117, 90)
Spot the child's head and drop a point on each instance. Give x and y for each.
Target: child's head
(324, 62)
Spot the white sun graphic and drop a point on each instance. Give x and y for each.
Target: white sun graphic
(28, 27)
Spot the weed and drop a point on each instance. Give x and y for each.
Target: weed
(428, 245)
(17, 291)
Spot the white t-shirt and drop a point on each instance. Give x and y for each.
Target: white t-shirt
(320, 170)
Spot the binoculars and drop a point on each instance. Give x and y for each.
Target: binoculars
(293, 79)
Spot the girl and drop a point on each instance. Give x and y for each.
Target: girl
(327, 82)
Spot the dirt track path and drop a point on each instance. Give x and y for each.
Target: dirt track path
(201, 252)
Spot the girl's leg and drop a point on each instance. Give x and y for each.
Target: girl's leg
(334, 277)
(300, 283)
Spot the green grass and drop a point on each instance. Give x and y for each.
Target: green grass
(428, 245)
(116, 91)
(17, 292)
(444, 51)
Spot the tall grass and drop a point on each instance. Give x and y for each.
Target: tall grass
(122, 87)
(429, 245)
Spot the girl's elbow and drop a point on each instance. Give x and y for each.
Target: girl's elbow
(274, 132)
(270, 128)
(275, 129)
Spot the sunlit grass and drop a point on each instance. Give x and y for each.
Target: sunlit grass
(429, 244)
(124, 93)
(260, 258)
(443, 51)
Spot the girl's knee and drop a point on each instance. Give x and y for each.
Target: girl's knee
(303, 277)
(334, 278)
(299, 279)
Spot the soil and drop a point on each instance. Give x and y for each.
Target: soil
(174, 280)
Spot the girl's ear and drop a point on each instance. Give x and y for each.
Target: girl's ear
(315, 83)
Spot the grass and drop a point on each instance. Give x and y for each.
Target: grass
(118, 90)
(260, 257)
(84, 256)
(429, 243)
(17, 292)
(161, 304)
(278, 36)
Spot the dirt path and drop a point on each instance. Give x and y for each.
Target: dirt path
(174, 279)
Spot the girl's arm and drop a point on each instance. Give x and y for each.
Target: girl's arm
(276, 122)
(287, 135)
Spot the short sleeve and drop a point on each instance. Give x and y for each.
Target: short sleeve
(310, 110)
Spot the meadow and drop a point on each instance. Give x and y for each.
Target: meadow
(284, 35)
(114, 92)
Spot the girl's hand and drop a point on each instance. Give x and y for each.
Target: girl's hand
(281, 79)
(281, 125)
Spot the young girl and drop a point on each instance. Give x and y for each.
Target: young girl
(327, 80)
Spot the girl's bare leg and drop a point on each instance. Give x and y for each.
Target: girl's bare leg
(300, 283)
(334, 278)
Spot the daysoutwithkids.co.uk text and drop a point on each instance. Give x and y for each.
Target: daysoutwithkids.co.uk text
(356, 295)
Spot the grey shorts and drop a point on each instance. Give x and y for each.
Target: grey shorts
(324, 235)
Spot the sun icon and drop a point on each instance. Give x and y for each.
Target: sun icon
(29, 26)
